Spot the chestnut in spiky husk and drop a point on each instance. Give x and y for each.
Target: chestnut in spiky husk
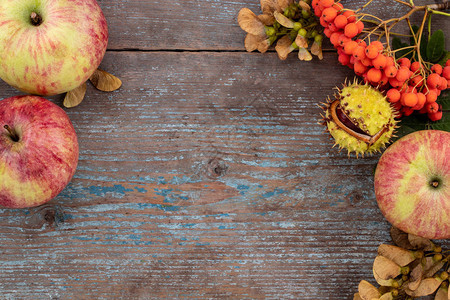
(360, 119)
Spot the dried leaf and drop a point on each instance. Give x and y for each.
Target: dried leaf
(301, 41)
(367, 291)
(387, 296)
(385, 268)
(316, 49)
(419, 242)
(284, 47)
(105, 81)
(250, 23)
(304, 54)
(415, 277)
(385, 282)
(356, 296)
(432, 267)
(267, 20)
(75, 96)
(283, 4)
(442, 293)
(269, 6)
(251, 42)
(304, 5)
(398, 255)
(264, 45)
(426, 287)
(400, 238)
(385, 289)
(283, 20)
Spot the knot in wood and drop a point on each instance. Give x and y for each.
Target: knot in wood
(216, 168)
(45, 217)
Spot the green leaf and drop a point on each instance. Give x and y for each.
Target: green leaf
(417, 121)
(398, 44)
(423, 42)
(402, 131)
(442, 124)
(409, 124)
(444, 58)
(444, 100)
(423, 47)
(414, 28)
(436, 46)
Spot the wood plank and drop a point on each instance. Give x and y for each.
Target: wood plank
(203, 25)
(205, 175)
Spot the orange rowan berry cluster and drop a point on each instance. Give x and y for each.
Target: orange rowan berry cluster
(408, 85)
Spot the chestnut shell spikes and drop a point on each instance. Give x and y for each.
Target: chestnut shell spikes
(360, 119)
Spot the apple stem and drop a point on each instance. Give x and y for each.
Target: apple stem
(435, 183)
(12, 133)
(36, 19)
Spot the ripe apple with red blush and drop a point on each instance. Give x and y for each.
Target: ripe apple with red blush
(49, 47)
(38, 151)
(412, 184)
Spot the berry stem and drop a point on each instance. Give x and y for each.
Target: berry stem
(36, 19)
(419, 39)
(404, 3)
(13, 135)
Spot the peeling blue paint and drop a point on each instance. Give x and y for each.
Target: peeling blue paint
(159, 206)
(135, 237)
(169, 195)
(161, 180)
(202, 244)
(85, 238)
(184, 179)
(335, 188)
(189, 225)
(67, 217)
(140, 190)
(163, 192)
(243, 188)
(230, 226)
(101, 191)
(276, 191)
(261, 213)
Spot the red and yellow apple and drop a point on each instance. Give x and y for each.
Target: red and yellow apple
(412, 184)
(38, 151)
(48, 47)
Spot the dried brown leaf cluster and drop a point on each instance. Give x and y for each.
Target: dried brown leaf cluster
(412, 268)
(102, 80)
(287, 23)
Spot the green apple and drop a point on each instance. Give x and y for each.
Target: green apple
(38, 151)
(412, 184)
(48, 47)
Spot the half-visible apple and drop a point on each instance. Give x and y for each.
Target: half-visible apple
(38, 151)
(412, 184)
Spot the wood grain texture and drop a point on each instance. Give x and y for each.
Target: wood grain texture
(206, 175)
(204, 24)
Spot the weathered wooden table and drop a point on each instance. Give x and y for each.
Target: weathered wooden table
(206, 175)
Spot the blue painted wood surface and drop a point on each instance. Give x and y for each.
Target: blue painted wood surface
(206, 175)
